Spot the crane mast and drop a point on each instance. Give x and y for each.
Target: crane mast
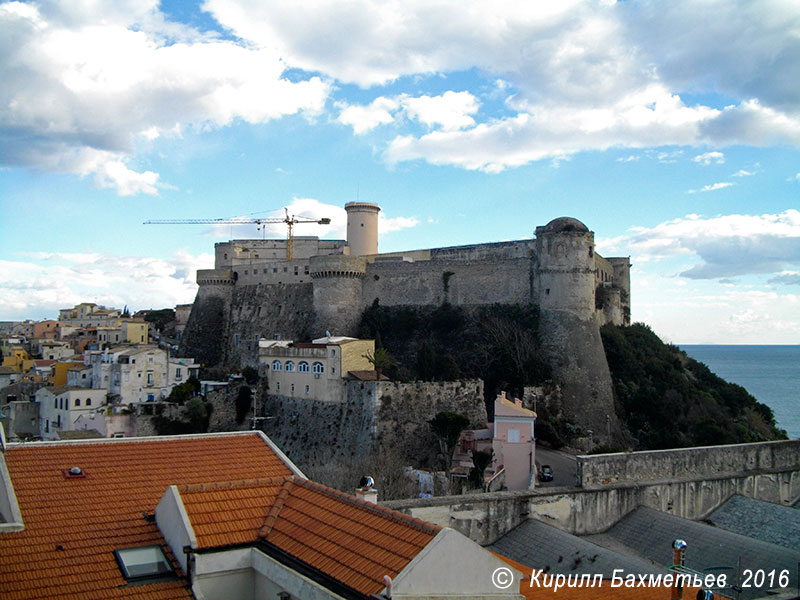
(290, 221)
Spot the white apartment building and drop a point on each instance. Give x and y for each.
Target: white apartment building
(138, 374)
(60, 407)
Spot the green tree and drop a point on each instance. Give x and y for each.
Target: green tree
(447, 427)
(481, 459)
(380, 360)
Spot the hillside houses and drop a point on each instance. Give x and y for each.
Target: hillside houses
(82, 372)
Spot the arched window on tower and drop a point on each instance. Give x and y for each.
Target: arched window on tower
(276, 365)
(289, 366)
(302, 367)
(318, 368)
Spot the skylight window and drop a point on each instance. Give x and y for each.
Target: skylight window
(143, 562)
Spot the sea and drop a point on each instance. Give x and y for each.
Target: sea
(770, 373)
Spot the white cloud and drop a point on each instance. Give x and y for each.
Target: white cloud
(82, 83)
(743, 173)
(709, 158)
(704, 313)
(719, 247)
(713, 187)
(90, 79)
(365, 118)
(41, 283)
(389, 224)
(584, 75)
(450, 111)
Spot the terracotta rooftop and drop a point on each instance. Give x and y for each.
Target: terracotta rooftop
(73, 525)
(366, 375)
(601, 592)
(338, 536)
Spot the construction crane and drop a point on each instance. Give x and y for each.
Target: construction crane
(290, 221)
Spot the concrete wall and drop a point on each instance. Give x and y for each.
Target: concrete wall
(689, 494)
(654, 465)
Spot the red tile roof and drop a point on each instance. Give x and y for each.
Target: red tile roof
(351, 541)
(72, 526)
(585, 592)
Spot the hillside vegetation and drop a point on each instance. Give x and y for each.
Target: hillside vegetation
(669, 400)
(496, 343)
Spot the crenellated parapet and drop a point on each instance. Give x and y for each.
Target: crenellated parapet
(327, 267)
(337, 292)
(215, 277)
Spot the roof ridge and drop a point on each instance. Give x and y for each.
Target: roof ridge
(378, 509)
(275, 509)
(218, 485)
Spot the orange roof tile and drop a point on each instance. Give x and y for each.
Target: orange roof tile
(72, 526)
(351, 541)
(532, 591)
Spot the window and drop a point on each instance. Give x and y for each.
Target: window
(88, 402)
(151, 397)
(308, 389)
(513, 436)
(118, 435)
(149, 379)
(276, 365)
(302, 367)
(47, 426)
(77, 402)
(279, 386)
(318, 368)
(289, 366)
(178, 373)
(55, 403)
(143, 562)
(292, 392)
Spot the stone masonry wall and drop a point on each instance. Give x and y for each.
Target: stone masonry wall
(266, 311)
(507, 281)
(384, 414)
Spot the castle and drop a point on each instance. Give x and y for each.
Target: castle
(254, 292)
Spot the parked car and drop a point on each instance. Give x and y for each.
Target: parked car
(545, 473)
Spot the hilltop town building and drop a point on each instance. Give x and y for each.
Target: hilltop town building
(316, 370)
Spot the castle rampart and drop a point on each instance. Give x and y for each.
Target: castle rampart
(255, 292)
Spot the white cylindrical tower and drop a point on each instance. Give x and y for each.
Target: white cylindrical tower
(362, 228)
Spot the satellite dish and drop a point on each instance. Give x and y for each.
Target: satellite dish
(366, 482)
(327, 333)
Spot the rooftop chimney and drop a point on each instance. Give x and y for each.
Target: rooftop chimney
(366, 490)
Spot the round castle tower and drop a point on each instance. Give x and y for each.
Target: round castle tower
(566, 265)
(337, 293)
(362, 228)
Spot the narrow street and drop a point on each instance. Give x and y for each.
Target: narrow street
(564, 467)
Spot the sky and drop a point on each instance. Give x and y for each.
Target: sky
(670, 129)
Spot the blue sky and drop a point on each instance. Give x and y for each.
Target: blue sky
(670, 129)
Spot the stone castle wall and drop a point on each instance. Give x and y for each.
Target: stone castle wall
(386, 414)
(429, 283)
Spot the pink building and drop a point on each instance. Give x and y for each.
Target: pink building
(511, 438)
(513, 442)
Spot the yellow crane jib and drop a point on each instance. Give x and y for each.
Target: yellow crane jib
(290, 221)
